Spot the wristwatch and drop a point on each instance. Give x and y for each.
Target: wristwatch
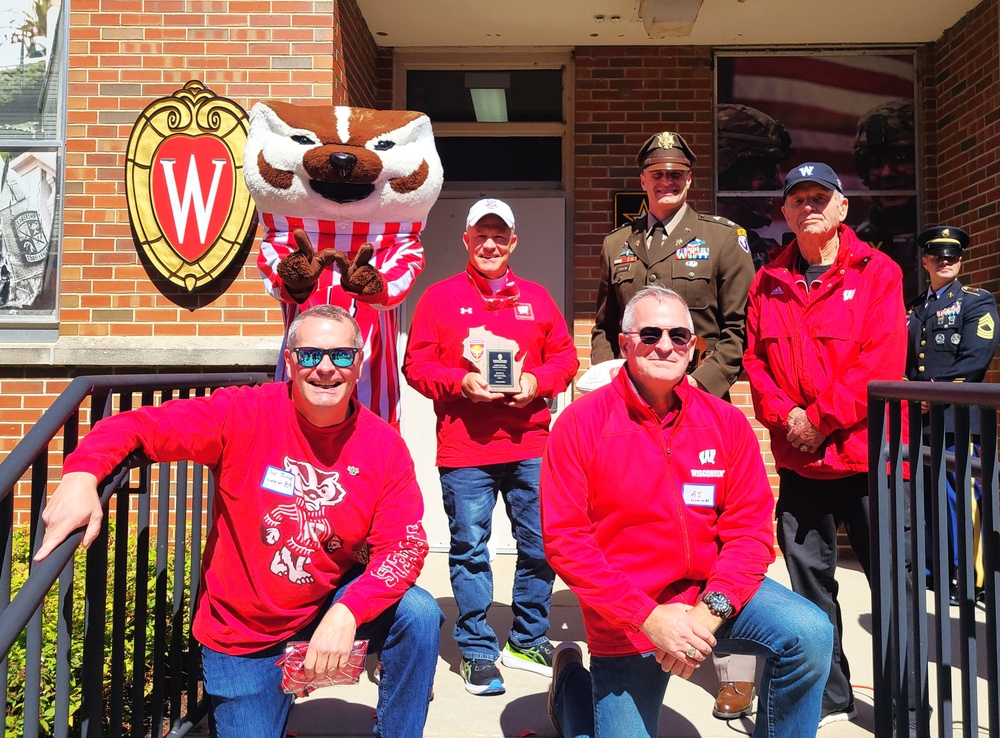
(718, 604)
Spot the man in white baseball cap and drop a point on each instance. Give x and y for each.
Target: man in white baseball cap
(490, 206)
(489, 441)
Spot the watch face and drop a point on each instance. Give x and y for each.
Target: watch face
(718, 604)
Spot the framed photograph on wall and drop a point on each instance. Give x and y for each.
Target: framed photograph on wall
(853, 111)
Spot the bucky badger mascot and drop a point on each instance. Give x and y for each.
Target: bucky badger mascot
(343, 194)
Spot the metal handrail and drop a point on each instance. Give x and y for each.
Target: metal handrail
(68, 403)
(23, 613)
(900, 548)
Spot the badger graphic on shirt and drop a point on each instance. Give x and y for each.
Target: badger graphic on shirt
(304, 521)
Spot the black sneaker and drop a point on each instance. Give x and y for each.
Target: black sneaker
(537, 659)
(482, 677)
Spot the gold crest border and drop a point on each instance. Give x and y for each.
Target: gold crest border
(193, 110)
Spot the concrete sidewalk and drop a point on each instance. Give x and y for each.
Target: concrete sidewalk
(338, 712)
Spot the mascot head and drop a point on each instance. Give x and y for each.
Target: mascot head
(342, 163)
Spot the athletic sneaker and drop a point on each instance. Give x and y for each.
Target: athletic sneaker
(838, 716)
(534, 658)
(482, 677)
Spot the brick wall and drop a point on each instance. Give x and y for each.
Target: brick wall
(359, 56)
(962, 132)
(123, 54)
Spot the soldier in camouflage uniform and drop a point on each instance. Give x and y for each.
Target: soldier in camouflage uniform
(751, 145)
(884, 154)
(705, 258)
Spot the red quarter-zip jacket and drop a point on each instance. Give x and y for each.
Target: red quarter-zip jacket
(638, 512)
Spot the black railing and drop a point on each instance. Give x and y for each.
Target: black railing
(86, 685)
(903, 495)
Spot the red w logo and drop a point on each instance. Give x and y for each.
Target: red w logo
(193, 180)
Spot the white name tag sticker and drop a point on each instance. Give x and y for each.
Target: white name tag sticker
(280, 481)
(699, 495)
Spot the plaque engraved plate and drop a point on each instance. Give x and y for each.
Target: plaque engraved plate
(495, 358)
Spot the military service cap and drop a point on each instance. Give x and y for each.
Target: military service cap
(944, 241)
(665, 151)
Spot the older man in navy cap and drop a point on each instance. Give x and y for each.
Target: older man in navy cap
(824, 319)
(952, 332)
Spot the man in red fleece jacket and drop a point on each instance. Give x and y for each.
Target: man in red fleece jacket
(489, 442)
(309, 484)
(656, 511)
(824, 319)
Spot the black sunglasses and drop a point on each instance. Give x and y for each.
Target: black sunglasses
(310, 357)
(651, 335)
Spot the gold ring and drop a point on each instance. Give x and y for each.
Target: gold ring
(804, 447)
(691, 653)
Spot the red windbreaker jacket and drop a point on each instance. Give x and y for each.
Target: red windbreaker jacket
(819, 350)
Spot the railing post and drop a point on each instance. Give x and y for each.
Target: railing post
(881, 581)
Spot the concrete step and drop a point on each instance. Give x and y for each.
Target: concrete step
(339, 712)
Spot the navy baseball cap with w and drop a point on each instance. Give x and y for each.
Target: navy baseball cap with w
(813, 171)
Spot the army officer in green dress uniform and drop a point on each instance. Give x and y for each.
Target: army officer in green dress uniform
(705, 258)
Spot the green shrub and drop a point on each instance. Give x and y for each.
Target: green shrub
(16, 658)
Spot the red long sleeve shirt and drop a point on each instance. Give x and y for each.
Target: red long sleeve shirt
(295, 506)
(638, 512)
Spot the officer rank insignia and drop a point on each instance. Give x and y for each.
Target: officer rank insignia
(985, 327)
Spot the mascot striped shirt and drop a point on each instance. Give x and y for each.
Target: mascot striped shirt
(399, 258)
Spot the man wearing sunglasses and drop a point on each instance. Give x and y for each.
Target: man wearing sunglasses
(705, 258)
(669, 563)
(490, 443)
(310, 487)
(824, 319)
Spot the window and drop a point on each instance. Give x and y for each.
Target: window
(501, 121)
(854, 112)
(32, 149)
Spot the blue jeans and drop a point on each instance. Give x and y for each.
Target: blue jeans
(622, 696)
(246, 690)
(470, 494)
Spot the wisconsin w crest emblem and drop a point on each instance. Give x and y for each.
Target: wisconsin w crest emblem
(188, 204)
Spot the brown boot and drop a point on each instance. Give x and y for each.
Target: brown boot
(735, 700)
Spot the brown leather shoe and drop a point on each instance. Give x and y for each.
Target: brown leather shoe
(735, 700)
